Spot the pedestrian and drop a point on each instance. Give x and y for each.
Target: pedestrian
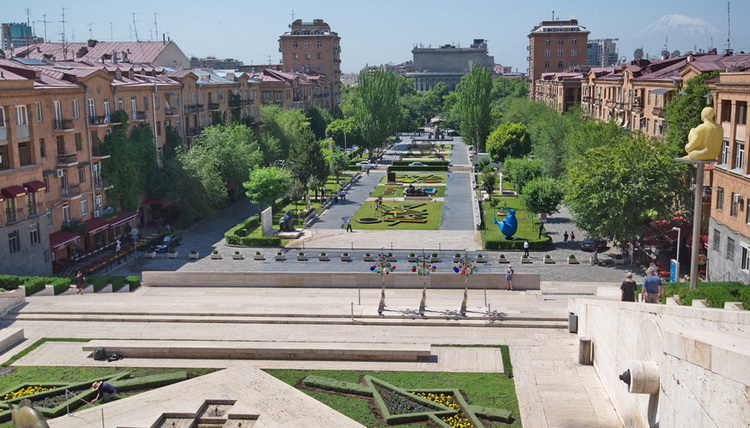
(379, 203)
(526, 248)
(653, 289)
(349, 225)
(572, 236)
(79, 280)
(104, 391)
(509, 278)
(117, 245)
(541, 229)
(342, 194)
(628, 288)
(565, 236)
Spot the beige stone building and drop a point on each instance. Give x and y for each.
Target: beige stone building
(555, 46)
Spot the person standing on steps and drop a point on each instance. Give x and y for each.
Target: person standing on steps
(653, 289)
(525, 248)
(509, 278)
(79, 282)
(628, 288)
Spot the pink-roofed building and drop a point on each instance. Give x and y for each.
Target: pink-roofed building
(163, 54)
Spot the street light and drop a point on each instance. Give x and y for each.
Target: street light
(677, 268)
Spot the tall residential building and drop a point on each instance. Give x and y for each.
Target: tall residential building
(447, 64)
(555, 46)
(311, 47)
(602, 52)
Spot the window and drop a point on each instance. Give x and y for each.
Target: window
(559, 65)
(745, 261)
(22, 118)
(14, 242)
(45, 179)
(295, 56)
(739, 154)
(158, 128)
(4, 157)
(92, 108)
(294, 45)
(145, 103)
(726, 111)
(79, 141)
(730, 249)
(574, 52)
(81, 174)
(66, 214)
(24, 154)
(734, 205)
(320, 55)
(546, 52)
(719, 198)
(307, 56)
(34, 234)
(320, 45)
(547, 42)
(320, 67)
(42, 148)
(574, 41)
(266, 97)
(741, 113)
(561, 42)
(84, 206)
(725, 152)
(546, 64)
(560, 52)
(76, 112)
(2, 118)
(156, 102)
(278, 97)
(747, 211)
(717, 240)
(133, 107)
(120, 104)
(31, 203)
(307, 45)
(39, 117)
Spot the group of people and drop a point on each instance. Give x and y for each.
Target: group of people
(572, 236)
(653, 288)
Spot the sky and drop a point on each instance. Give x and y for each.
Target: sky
(377, 32)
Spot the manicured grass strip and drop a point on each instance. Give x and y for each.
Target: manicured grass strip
(390, 191)
(528, 227)
(417, 179)
(433, 210)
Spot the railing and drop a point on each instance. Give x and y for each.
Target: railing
(22, 131)
(98, 151)
(139, 115)
(70, 190)
(193, 132)
(64, 124)
(194, 108)
(171, 111)
(213, 106)
(65, 159)
(658, 111)
(15, 215)
(99, 120)
(101, 184)
(35, 209)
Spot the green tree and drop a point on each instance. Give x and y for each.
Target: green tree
(378, 112)
(616, 188)
(474, 106)
(199, 184)
(319, 119)
(488, 183)
(339, 162)
(542, 195)
(583, 134)
(266, 184)
(684, 112)
(521, 171)
(131, 167)
(285, 126)
(547, 129)
(509, 140)
(344, 132)
(306, 159)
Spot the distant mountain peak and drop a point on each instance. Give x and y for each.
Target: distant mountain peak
(686, 25)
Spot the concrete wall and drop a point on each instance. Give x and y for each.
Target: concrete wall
(719, 266)
(521, 281)
(702, 354)
(33, 259)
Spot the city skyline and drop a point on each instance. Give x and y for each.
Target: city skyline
(385, 32)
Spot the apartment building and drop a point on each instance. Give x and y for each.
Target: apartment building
(311, 47)
(555, 46)
(447, 64)
(729, 223)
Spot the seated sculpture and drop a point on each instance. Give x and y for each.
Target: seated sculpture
(286, 223)
(704, 141)
(414, 191)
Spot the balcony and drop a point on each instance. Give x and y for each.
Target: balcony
(194, 108)
(65, 160)
(138, 115)
(35, 209)
(99, 120)
(100, 184)
(171, 112)
(3, 134)
(193, 132)
(22, 132)
(609, 103)
(14, 215)
(62, 125)
(658, 111)
(98, 152)
(70, 192)
(247, 102)
(213, 106)
(586, 99)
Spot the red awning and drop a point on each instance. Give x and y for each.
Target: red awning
(96, 225)
(122, 218)
(60, 239)
(703, 240)
(35, 186)
(13, 192)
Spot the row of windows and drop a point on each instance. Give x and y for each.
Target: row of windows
(560, 42)
(295, 44)
(735, 204)
(560, 65)
(14, 238)
(561, 52)
(307, 55)
(740, 112)
(738, 160)
(730, 247)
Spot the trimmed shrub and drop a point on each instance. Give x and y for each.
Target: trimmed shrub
(148, 382)
(34, 284)
(745, 297)
(9, 282)
(61, 285)
(717, 296)
(517, 244)
(417, 168)
(337, 385)
(133, 282)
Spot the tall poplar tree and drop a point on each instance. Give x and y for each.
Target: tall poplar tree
(378, 110)
(474, 106)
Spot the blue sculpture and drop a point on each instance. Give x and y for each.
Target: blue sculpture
(509, 225)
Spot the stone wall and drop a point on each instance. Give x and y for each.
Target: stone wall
(702, 356)
(521, 281)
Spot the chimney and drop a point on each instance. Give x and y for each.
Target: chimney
(91, 43)
(114, 57)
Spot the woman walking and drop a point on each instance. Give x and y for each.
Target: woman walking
(509, 278)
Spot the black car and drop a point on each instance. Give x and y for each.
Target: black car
(591, 243)
(167, 242)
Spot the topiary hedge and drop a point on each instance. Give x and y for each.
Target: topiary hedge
(60, 285)
(34, 284)
(517, 244)
(236, 235)
(715, 293)
(9, 282)
(337, 385)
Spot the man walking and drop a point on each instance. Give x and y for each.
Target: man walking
(653, 289)
(526, 248)
(349, 225)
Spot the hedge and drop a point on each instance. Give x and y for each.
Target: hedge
(428, 163)
(60, 285)
(34, 284)
(133, 282)
(517, 244)
(417, 168)
(715, 293)
(9, 282)
(149, 382)
(337, 385)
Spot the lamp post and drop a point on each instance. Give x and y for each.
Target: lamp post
(677, 266)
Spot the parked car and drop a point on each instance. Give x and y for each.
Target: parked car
(167, 242)
(366, 164)
(591, 243)
(417, 164)
(453, 132)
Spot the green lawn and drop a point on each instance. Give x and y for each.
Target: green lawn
(417, 215)
(420, 179)
(528, 226)
(483, 389)
(387, 191)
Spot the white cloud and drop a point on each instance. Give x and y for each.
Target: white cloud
(684, 24)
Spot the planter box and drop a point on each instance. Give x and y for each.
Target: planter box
(346, 258)
(481, 260)
(301, 258)
(368, 258)
(172, 255)
(573, 261)
(237, 257)
(620, 261)
(434, 259)
(215, 256)
(412, 259)
(456, 259)
(193, 256)
(150, 254)
(324, 258)
(279, 258)
(549, 261)
(525, 259)
(259, 257)
(502, 260)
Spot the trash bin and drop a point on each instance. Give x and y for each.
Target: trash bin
(572, 322)
(584, 351)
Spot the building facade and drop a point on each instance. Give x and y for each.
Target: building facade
(16, 36)
(555, 46)
(311, 47)
(447, 64)
(601, 52)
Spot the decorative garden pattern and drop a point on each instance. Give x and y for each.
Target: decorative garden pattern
(394, 214)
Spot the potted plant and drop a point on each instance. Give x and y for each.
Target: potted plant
(572, 260)
(501, 259)
(391, 257)
(412, 258)
(258, 256)
(346, 257)
(481, 259)
(368, 257)
(301, 257)
(215, 255)
(150, 254)
(237, 256)
(279, 256)
(548, 259)
(172, 254)
(456, 258)
(525, 259)
(323, 257)
(193, 255)
(434, 257)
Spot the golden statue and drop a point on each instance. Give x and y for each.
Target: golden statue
(26, 416)
(704, 141)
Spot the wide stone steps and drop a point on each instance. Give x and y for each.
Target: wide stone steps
(388, 319)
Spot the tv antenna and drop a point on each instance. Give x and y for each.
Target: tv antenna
(44, 21)
(64, 42)
(156, 29)
(111, 31)
(729, 26)
(292, 14)
(135, 29)
(91, 31)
